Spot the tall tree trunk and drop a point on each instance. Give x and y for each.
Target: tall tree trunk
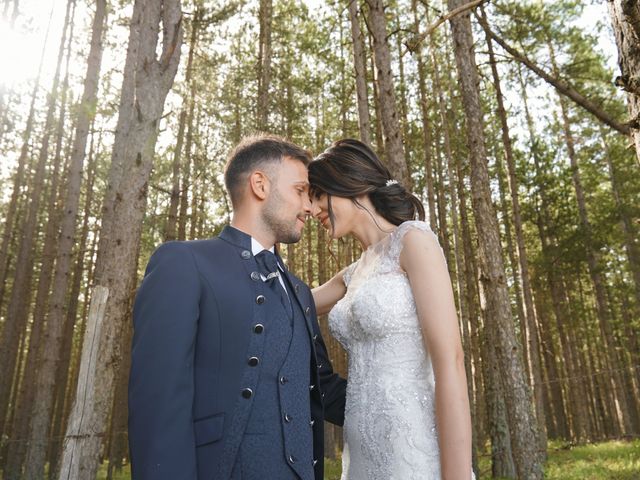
(522, 422)
(64, 370)
(119, 413)
(379, 137)
(531, 332)
(502, 465)
(187, 181)
(24, 403)
(402, 87)
(594, 262)
(265, 17)
(394, 150)
(426, 124)
(632, 250)
(625, 19)
(360, 67)
(18, 308)
(559, 307)
(18, 182)
(172, 215)
(45, 386)
(119, 245)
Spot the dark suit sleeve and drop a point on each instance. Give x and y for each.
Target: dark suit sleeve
(332, 385)
(161, 384)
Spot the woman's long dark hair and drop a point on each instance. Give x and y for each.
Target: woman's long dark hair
(349, 169)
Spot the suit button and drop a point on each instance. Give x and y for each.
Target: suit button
(307, 311)
(247, 393)
(315, 337)
(292, 459)
(258, 328)
(253, 361)
(255, 276)
(314, 462)
(312, 422)
(287, 417)
(246, 254)
(311, 387)
(319, 366)
(283, 380)
(260, 299)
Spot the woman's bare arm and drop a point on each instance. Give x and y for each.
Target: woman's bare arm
(424, 263)
(327, 295)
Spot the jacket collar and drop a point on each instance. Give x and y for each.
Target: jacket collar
(236, 237)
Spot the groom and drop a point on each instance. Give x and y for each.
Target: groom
(229, 376)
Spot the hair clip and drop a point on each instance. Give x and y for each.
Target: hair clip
(391, 182)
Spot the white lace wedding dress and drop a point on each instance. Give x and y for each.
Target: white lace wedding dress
(389, 429)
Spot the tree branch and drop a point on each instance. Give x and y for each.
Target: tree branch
(413, 43)
(559, 85)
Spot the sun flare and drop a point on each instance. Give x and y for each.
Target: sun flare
(20, 52)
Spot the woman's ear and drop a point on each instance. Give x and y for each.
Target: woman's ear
(259, 184)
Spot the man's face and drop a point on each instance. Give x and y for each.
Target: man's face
(288, 205)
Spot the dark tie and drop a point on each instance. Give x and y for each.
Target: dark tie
(268, 267)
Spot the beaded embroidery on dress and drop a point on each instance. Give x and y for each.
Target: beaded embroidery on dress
(389, 429)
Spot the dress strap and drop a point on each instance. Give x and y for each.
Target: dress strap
(396, 244)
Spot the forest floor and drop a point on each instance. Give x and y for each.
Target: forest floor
(613, 460)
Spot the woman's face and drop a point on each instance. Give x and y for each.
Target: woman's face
(344, 213)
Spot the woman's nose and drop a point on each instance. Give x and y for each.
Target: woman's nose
(315, 208)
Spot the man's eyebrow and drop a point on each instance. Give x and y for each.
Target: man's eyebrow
(305, 183)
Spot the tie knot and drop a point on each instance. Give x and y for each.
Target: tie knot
(267, 263)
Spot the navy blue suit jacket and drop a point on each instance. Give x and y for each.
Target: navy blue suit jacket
(195, 318)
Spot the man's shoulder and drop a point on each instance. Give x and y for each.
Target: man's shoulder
(184, 246)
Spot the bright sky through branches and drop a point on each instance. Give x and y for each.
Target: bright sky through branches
(21, 48)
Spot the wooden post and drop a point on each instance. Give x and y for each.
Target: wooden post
(79, 430)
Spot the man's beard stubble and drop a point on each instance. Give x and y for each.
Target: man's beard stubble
(285, 231)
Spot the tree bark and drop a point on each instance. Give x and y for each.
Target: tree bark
(426, 124)
(187, 181)
(529, 320)
(18, 308)
(360, 67)
(595, 269)
(65, 370)
(522, 423)
(51, 350)
(24, 402)
(119, 245)
(265, 17)
(625, 19)
(632, 250)
(559, 307)
(394, 150)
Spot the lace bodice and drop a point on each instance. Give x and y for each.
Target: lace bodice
(389, 430)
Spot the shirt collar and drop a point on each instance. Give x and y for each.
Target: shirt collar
(256, 248)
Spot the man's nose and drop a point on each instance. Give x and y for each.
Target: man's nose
(308, 206)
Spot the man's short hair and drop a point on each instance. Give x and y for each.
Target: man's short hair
(257, 151)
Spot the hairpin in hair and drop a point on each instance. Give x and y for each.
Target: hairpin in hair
(391, 182)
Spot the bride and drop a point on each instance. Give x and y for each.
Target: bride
(407, 413)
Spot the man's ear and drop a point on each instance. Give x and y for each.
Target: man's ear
(259, 184)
